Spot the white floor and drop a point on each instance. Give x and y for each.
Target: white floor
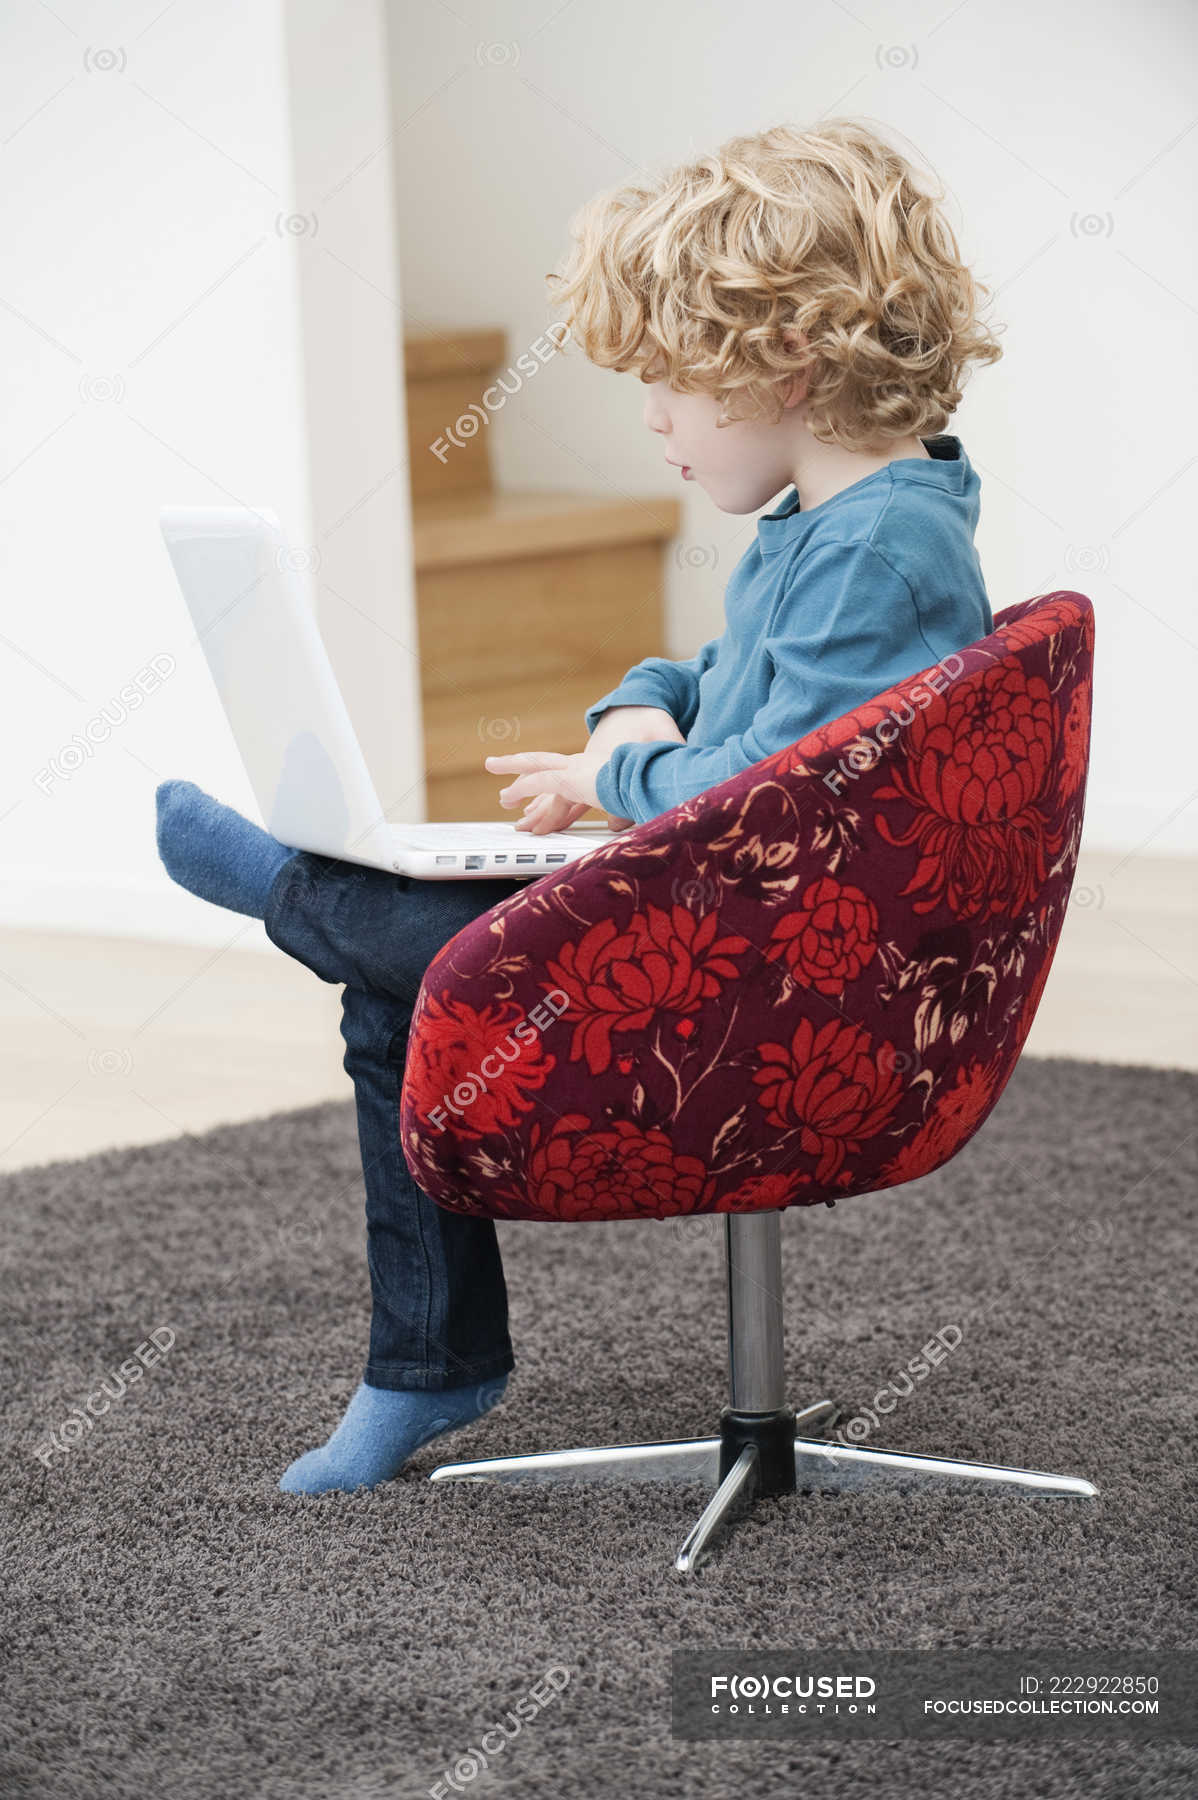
(109, 1041)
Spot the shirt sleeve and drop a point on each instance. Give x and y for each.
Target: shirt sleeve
(845, 629)
(674, 686)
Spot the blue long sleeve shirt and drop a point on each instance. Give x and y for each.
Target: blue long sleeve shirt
(827, 608)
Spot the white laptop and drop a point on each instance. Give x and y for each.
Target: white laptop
(259, 633)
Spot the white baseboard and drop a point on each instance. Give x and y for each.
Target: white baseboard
(115, 906)
(1129, 827)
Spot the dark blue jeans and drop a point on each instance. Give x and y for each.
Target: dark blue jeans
(439, 1314)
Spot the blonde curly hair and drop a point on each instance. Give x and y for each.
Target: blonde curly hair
(781, 254)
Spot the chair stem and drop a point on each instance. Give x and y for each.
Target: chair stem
(753, 1250)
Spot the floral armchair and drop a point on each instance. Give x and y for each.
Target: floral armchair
(811, 981)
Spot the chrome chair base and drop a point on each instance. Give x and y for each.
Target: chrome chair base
(820, 1467)
(753, 1454)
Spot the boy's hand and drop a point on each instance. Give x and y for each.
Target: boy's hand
(558, 789)
(548, 775)
(549, 812)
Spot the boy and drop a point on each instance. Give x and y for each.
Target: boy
(807, 273)
(798, 308)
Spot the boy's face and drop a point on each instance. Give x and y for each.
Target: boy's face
(740, 466)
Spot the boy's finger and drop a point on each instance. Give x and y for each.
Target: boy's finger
(525, 759)
(540, 781)
(540, 817)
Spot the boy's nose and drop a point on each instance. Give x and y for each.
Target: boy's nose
(656, 416)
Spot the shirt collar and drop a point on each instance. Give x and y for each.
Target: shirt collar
(948, 468)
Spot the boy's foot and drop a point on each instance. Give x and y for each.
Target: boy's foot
(215, 853)
(382, 1427)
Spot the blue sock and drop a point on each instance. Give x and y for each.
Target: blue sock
(215, 853)
(381, 1429)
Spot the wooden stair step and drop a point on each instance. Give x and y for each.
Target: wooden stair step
(555, 619)
(428, 357)
(445, 377)
(484, 526)
(460, 729)
(530, 603)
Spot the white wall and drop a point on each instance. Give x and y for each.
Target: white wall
(1064, 135)
(200, 302)
(199, 307)
(352, 335)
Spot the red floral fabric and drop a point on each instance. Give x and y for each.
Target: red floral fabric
(811, 981)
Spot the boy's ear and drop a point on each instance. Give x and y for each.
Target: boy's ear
(795, 387)
(794, 390)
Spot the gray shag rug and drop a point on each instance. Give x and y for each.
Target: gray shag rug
(173, 1625)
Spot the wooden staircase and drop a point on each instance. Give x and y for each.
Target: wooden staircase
(529, 605)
